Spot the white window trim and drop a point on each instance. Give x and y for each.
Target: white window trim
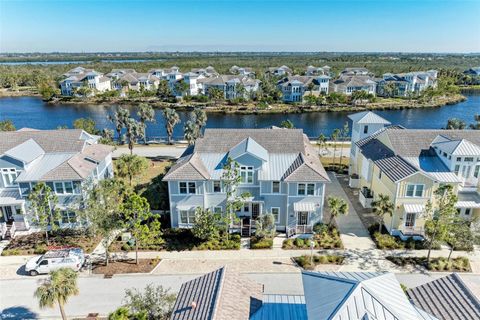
(9, 171)
(64, 189)
(188, 223)
(306, 190)
(278, 216)
(213, 187)
(414, 190)
(247, 170)
(187, 182)
(216, 207)
(279, 187)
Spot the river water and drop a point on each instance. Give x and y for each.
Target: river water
(34, 113)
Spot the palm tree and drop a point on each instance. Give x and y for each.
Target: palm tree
(382, 207)
(200, 118)
(130, 166)
(344, 136)
(337, 206)
(321, 142)
(287, 124)
(171, 119)
(134, 131)
(191, 132)
(334, 138)
(61, 285)
(119, 118)
(145, 114)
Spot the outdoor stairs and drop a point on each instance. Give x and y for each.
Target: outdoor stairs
(278, 240)
(8, 234)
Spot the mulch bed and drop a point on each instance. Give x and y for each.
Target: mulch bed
(125, 266)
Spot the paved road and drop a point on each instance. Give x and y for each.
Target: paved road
(104, 295)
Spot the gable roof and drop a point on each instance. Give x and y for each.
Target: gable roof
(249, 146)
(368, 117)
(26, 151)
(356, 295)
(447, 298)
(396, 168)
(220, 294)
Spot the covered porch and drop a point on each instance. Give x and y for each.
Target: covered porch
(12, 214)
(468, 205)
(302, 221)
(412, 222)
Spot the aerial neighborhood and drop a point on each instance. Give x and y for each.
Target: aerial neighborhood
(243, 82)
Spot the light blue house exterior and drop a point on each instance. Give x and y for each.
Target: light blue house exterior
(278, 167)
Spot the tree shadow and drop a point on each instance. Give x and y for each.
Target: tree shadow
(20, 313)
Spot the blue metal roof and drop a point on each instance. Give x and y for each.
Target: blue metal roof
(281, 307)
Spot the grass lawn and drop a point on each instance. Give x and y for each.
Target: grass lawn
(35, 243)
(328, 239)
(460, 264)
(306, 262)
(328, 161)
(155, 168)
(125, 266)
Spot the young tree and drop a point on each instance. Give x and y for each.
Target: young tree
(164, 92)
(171, 120)
(140, 221)
(145, 114)
(321, 142)
(102, 208)
(265, 226)
(119, 119)
(206, 224)
(337, 206)
(383, 206)
(441, 213)
(459, 235)
(473, 126)
(334, 138)
(154, 302)
(7, 125)
(58, 288)
(230, 181)
(134, 130)
(107, 136)
(455, 124)
(191, 132)
(216, 95)
(287, 124)
(130, 166)
(43, 201)
(86, 124)
(181, 87)
(344, 134)
(199, 116)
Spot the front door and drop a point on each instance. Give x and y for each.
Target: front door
(410, 220)
(255, 210)
(8, 213)
(302, 218)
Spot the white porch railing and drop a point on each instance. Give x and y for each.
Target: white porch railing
(3, 230)
(410, 231)
(13, 229)
(298, 229)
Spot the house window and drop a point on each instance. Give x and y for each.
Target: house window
(306, 189)
(459, 158)
(217, 210)
(468, 159)
(365, 129)
(68, 187)
(25, 188)
(410, 220)
(59, 188)
(217, 186)
(380, 174)
(68, 216)
(187, 217)
(457, 169)
(415, 190)
(246, 174)
(187, 187)
(276, 187)
(468, 211)
(77, 187)
(9, 175)
(246, 207)
(475, 173)
(276, 214)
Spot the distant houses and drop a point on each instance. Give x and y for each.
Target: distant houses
(242, 82)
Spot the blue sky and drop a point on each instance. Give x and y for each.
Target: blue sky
(240, 25)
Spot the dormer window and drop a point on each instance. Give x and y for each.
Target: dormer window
(246, 174)
(9, 175)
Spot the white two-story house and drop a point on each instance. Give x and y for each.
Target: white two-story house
(295, 87)
(64, 160)
(279, 168)
(81, 77)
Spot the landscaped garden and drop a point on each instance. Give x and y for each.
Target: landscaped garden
(324, 237)
(310, 262)
(261, 243)
(459, 264)
(385, 241)
(35, 243)
(125, 266)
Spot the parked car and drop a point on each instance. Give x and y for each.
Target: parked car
(55, 259)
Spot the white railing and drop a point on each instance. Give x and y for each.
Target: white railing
(366, 202)
(412, 230)
(298, 229)
(13, 228)
(3, 230)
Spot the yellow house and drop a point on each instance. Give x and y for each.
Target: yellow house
(408, 165)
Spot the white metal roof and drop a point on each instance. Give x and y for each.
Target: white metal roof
(250, 146)
(44, 165)
(10, 196)
(26, 151)
(414, 208)
(368, 117)
(461, 147)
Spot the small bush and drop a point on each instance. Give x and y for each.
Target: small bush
(386, 241)
(299, 242)
(126, 247)
(10, 252)
(40, 249)
(320, 228)
(261, 243)
(460, 264)
(305, 261)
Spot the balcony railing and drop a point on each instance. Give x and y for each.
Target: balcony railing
(410, 231)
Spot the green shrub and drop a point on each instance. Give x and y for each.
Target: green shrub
(126, 247)
(386, 241)
(10, 252)
(305, 261)
(40, 249)
(261, 243)
(460, 264)
(319, 228)
(299, 242)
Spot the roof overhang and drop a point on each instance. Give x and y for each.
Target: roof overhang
(305, 206)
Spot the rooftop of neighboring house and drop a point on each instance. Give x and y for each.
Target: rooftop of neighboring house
(284, 68)
(229, 78)
(400, 152)
(357, 295)
(446, 298)
(419, 76)
(286, 155)
(135, 77)
(49, 155)
(355, 71)
(346, 80)
(79, 73)
(221, 294)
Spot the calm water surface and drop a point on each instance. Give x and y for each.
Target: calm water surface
(34, 113)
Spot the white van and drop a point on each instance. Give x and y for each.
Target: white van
(53, 260)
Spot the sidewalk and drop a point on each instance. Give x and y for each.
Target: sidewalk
(353, 233)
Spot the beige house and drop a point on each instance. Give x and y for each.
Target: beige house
(408, 165)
